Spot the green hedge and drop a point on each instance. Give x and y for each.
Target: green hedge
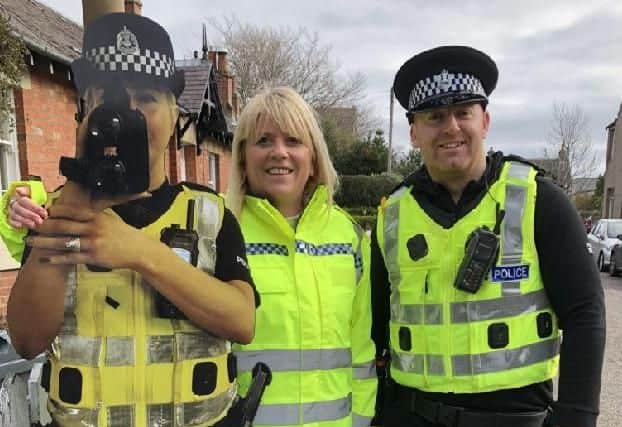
(368, 222)
(365, 192)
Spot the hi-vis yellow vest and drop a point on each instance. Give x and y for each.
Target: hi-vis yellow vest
(313, 325)
(115, 363)
(447, 340)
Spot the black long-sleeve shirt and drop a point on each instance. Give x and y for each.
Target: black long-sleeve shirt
(570, 278)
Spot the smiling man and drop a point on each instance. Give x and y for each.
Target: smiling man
(469, 293)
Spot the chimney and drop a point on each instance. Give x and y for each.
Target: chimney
(134, 6)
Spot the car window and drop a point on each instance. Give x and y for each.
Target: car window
(614, 229)
(596, 229)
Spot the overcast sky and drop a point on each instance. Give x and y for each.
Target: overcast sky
(547, 51)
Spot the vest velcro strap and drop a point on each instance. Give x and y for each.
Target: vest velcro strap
(503, 360)
(499, 308)
(308, 412)
(296, 360)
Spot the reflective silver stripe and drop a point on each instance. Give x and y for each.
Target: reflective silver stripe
(435, 364)
(160, 415)
(515, 197)
(119, 351)
(510, 288)
(415, 363)
(360, 420)
(519, 171)
(391, 229)
(121, 416)
(502, 360)
(417, 314)
(296, 360)
(160, 348)
(296, 413)
(207, 221)
(70, 321)
(66, 416)
(198, 345)
(204, 412)
(364, 371)
(77, 350)
(498, 308)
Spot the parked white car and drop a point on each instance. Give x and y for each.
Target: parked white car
(602, 238)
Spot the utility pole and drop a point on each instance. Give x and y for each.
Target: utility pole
(391, 102)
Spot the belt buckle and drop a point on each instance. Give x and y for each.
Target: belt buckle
(448, 416)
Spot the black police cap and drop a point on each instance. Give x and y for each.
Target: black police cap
(445, 75)
(131, 47)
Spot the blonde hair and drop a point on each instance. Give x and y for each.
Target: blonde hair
(294, 117)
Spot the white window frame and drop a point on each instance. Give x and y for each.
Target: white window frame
(9, 153)
(212, 171)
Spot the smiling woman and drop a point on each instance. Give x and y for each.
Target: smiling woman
(310, 263)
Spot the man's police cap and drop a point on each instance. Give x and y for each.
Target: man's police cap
(130, 47)
(445, 75)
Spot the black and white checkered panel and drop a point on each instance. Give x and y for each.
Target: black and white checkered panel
(432, 87)
(107, 58)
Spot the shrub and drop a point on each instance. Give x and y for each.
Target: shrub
(362, 191)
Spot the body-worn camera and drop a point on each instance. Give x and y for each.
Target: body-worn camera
(480, 254)
(184, 243)
(115, 158)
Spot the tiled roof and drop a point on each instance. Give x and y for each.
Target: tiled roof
(43, 30)
(197, 75)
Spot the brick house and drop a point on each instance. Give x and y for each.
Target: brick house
(44, 126)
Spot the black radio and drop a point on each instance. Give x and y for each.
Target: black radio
(480, 254)
(184, 243)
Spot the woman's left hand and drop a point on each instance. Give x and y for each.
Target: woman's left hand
(76, 234)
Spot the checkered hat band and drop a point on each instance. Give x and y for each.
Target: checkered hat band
(108, 58)
(266, 249)
(440, 85)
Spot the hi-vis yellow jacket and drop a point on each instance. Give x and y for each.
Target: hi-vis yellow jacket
(313, 325)
(116, 363)
(444, 339)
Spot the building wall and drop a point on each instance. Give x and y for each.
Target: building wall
(612, 189)
(45, 121)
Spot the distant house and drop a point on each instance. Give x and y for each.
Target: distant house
(557, 168)
(43, 127)
(584, 186)
(612, 188)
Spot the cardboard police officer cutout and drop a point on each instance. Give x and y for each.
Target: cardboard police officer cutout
(445, 75)
(120, 51)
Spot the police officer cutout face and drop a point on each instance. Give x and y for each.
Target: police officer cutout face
(451, 140)
(160, 111)
(278, 167)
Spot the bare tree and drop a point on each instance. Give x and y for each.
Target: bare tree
(264, 57)
(569, 140)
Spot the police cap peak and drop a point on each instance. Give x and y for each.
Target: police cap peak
(445, 75)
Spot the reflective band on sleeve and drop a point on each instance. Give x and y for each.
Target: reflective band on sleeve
(499, 308)
(77, 350)
(414, 363)
(360, 420)
(417, 314)
(160, 349)
(310, 412)
(204, 412)
(296, 360)
(121, 416)
(502, 360)
(119, 351)
(364, 371)
(65, 416)
(199, 345)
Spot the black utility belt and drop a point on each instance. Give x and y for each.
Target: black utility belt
(454, 416)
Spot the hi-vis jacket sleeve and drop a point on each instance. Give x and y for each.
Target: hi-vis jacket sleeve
(364, 379)
(13, 237)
